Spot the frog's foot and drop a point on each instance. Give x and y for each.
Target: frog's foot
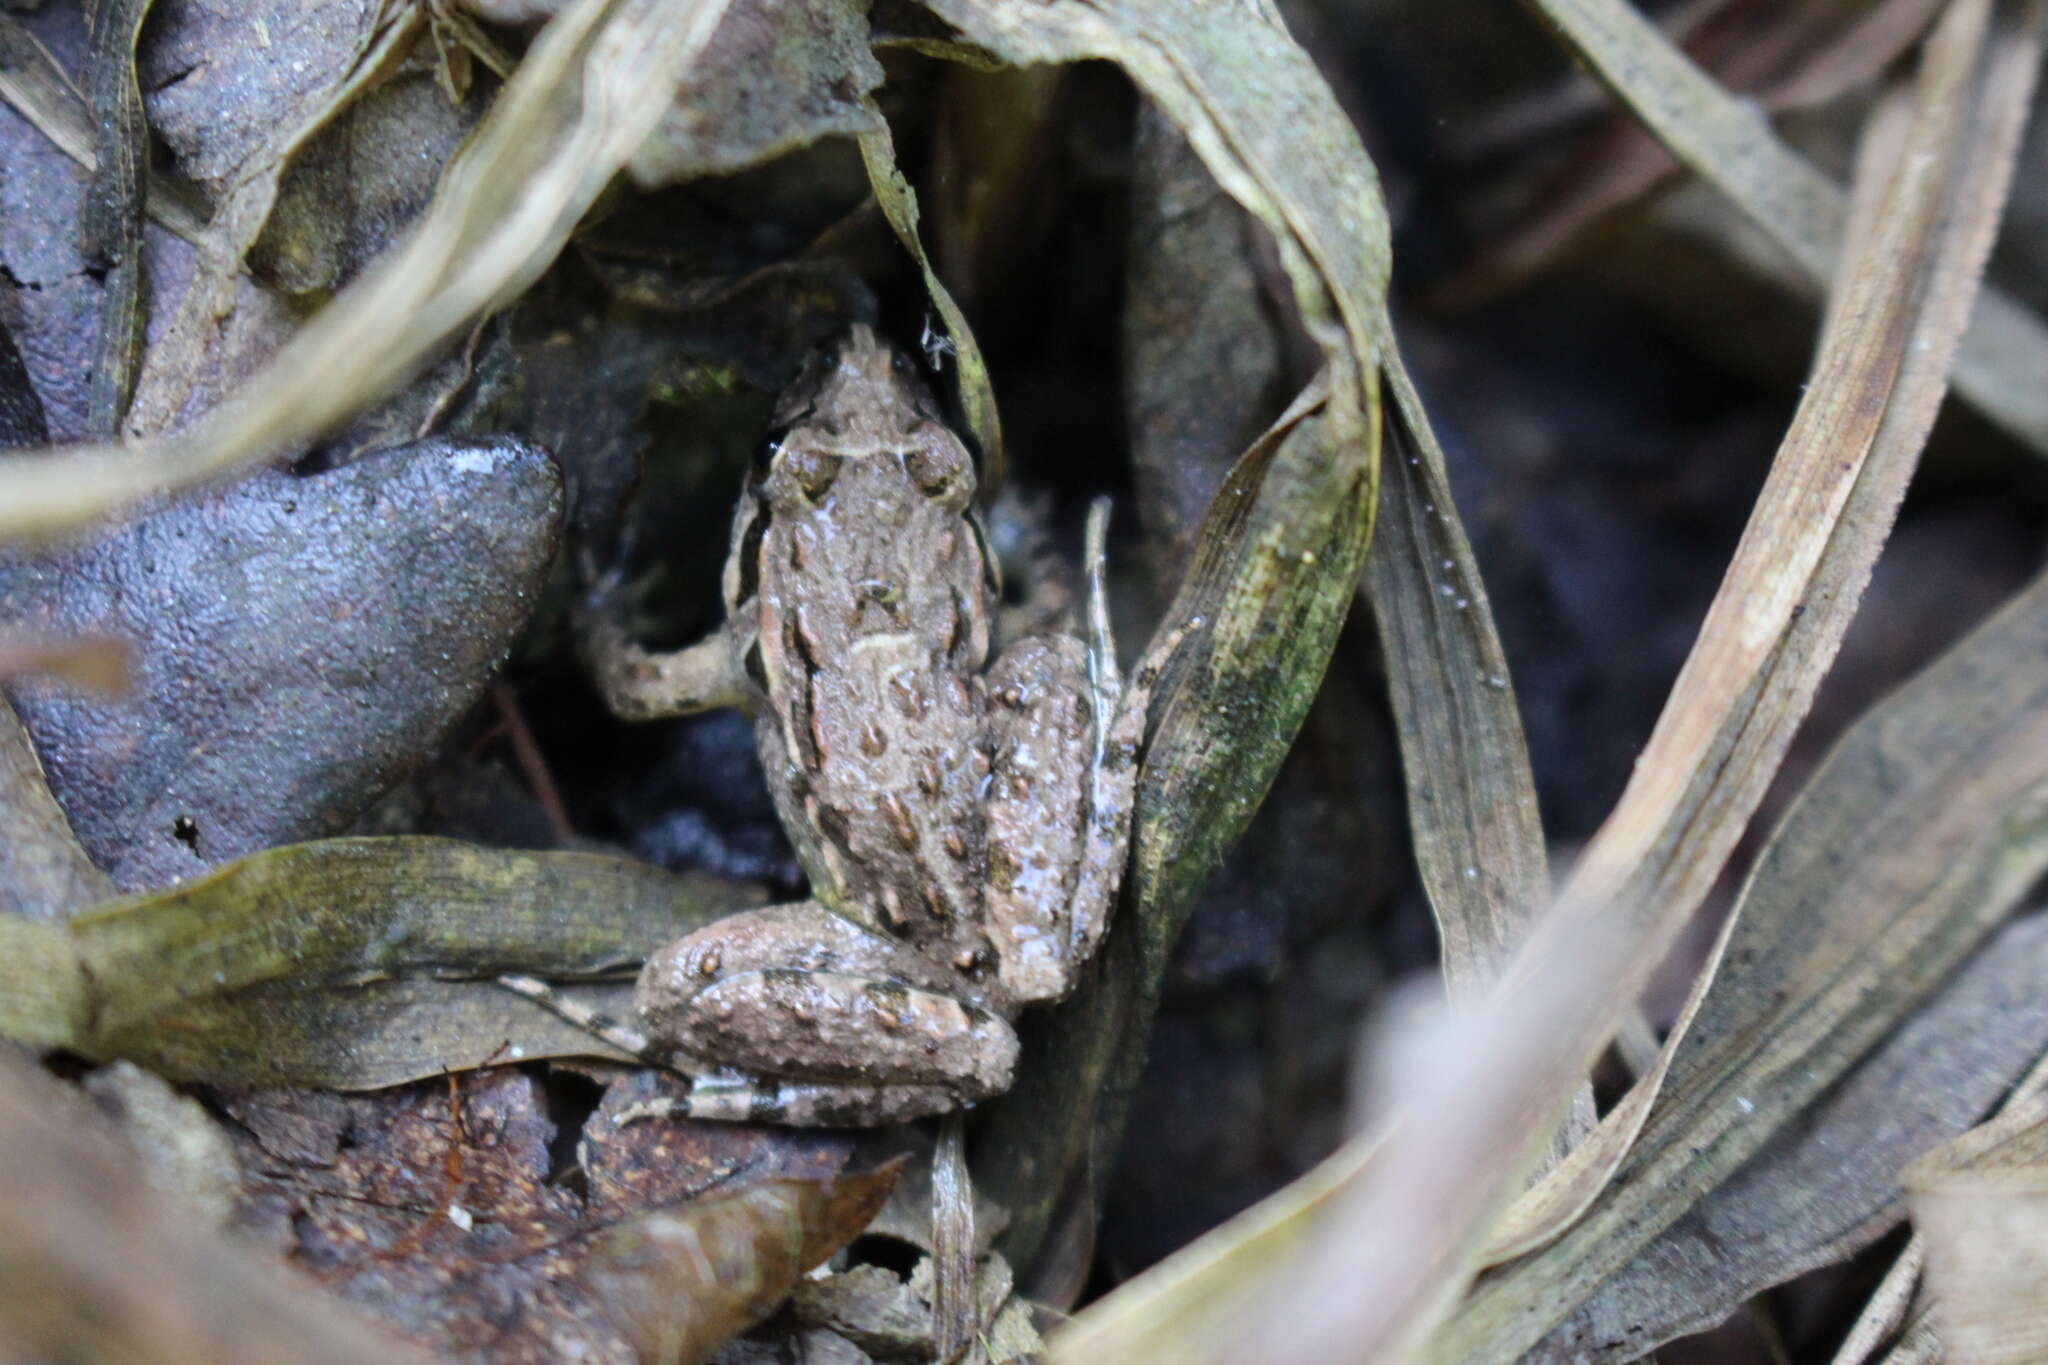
(806, 997)
(730, 1097)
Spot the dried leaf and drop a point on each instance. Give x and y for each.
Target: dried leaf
(257, 104)
(1826, 1182)
(256, 974)
(353, 188)
(438, 1204)
(1982, 1205)
(783, 76)
(44, 874)
(95, 1266)
(37, 86)
(685, 1281)
(111, 230)
(579, 104)
(893, 1318)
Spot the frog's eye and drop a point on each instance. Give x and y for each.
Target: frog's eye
(813, 471)
(765, 453)
(942, 471)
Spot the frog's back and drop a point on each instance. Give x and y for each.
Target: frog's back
(871, 599)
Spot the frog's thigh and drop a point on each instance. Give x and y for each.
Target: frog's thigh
(799, 993)
(1042, 737)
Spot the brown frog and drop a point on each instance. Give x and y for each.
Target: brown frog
(963, 822)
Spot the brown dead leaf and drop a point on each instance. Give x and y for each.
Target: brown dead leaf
(439, 1204)
(684, 1281)
(95, 1266)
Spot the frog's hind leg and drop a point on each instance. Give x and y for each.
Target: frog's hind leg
(1063, 769)
(734, 1097)
(1036, 815)
(828, 1009)
(727, 1096)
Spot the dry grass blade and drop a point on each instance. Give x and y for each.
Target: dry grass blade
(1822, 517)
(111, 230)
(1982, 1205)
(1781, 57)
(589, 90)
(1471, 795)
(955, 1313)
(899, 206)
(1887, 1308)
(1925, 826)
(1723, 139)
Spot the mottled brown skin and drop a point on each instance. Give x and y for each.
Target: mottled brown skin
(963, 823)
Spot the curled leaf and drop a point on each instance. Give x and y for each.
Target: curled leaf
(682, 1282)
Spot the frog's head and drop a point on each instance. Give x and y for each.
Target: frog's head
(863, 401)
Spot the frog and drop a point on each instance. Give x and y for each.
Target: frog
(962, 812)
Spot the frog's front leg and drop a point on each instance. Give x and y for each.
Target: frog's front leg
(639, 684)
(794, 1014)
